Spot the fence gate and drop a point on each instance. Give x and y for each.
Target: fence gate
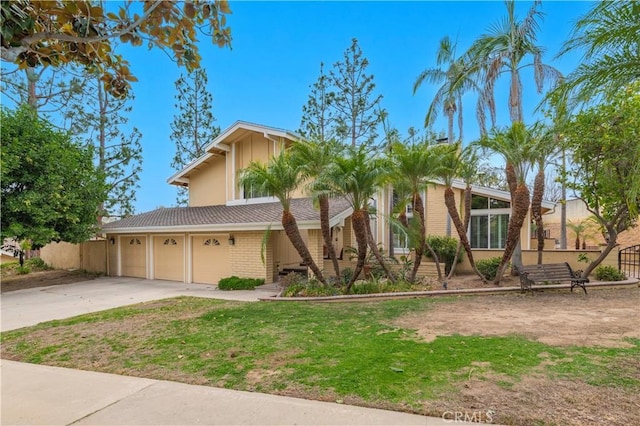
(629, 261)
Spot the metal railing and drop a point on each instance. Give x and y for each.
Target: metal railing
(629, 261)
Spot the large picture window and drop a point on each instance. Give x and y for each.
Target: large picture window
(489, 222)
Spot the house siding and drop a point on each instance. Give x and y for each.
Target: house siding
(204, 182)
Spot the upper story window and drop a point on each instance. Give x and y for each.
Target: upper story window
(479, 202)
(252, 192)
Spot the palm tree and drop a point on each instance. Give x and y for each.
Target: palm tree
(545, 148)
(608, 36)
(357, 175)
(314, 160)
(503, 49)
(415, 166)
(454, 82)
(514, 144)
(280, 178)
(455, 162)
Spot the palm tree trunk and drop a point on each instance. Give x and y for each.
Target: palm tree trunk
(536, 209)
(374, 248)
(513, 186)
(518, 213)
(450, 202)
(360, 231)
(323, 200)
(291, 229)
(418, 209)
(467, 219)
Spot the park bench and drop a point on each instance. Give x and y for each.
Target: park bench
(552, 273)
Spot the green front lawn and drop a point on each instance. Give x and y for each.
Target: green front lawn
(337, 352)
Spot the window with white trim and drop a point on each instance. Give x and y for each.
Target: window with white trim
(489, 222)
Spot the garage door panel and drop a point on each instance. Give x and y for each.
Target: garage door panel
(168, 257)
(134, 256)
(210, 257)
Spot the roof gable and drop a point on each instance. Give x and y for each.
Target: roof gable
(220, 145)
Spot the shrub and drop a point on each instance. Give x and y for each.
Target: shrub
(311, 288)
(489, 267)
(37, 264)
(609, 273)
(236, 283)
(23, 270)
(445, 248)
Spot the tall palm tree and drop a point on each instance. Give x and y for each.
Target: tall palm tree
(314, 159)
(514, 144)
(545, 147)
(455, 162)
(608, 36)
(280, 178)
(503, 50)
(454, 80)
(415, 167)
(357, 175)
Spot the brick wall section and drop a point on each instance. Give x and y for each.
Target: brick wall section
(435, 211)
(245, 259)
(315, 245)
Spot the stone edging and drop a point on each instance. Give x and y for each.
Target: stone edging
(436, 293)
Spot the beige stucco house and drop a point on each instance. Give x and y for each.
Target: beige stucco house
(223, 230)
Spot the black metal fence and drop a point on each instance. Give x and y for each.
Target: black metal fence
(629, 261)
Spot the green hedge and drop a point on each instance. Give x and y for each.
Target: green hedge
(609, 273)
(237, 283)
(489, 267)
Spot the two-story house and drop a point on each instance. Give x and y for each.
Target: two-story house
(223, 231)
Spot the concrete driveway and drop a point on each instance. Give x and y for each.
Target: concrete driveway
(27, 307)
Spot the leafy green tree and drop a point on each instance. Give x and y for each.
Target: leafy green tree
(60, 32)
(454, 80)
(503, 49)
(357, 108)
(606, 153)
(100, 121)
(51, 188)
(514, 145)
(318, 120)
(193, 125)
(608, 37)
(281, 177)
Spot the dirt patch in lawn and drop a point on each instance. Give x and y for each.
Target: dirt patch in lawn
(44, 279)
(601, 318)
(538, 400)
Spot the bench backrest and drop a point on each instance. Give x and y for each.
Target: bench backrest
(548, 272)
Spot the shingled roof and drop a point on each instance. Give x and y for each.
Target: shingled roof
(249, 216)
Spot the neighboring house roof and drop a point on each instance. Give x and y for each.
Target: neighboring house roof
(229, 218)
(220, 145)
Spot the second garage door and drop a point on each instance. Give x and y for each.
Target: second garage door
(168, 257)
(210, 259)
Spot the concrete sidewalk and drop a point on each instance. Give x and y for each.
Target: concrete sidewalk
(32, 306)
(42, 395)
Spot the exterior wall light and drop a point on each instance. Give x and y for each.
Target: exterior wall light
(232, 241)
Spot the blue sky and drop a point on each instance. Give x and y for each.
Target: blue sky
(276, 52)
